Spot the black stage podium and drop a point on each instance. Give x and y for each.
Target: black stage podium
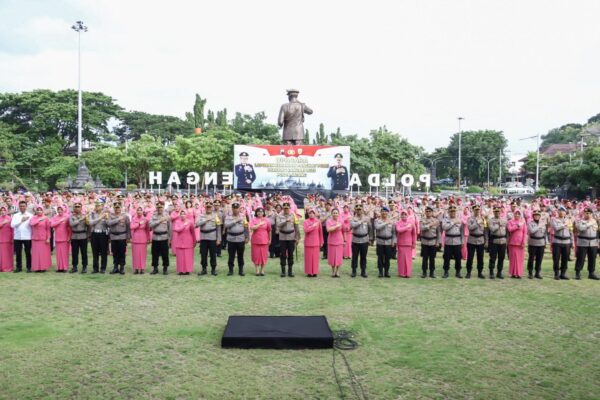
(288, 332)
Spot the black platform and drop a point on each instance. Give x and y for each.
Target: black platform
(289, 332)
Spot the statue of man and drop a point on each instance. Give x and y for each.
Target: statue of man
(291, 118)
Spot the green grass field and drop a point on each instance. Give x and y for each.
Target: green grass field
(101, 336)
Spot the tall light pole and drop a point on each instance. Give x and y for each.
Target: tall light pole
(537, 161)
(459, 149)
(79, 27)
(488, 170)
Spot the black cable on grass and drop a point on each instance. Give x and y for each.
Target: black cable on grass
(343, 340)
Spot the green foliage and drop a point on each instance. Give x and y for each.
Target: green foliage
(565, 134)
(131, 187)
(108, 163)
(474, 189)
(162, 128)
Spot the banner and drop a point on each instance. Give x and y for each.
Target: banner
(291, 167)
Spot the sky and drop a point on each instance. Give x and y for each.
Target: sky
(519, 66)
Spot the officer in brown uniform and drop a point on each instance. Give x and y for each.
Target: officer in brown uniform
(385, 237)
(160, 224)
(210, 239)
(561, 244)
(120, 233)
(362, 235)
(97, 221)
(454, 229)
(79, 234)
(431, 239)
(289, 236)
(476, 241)
(238, 235)
(587, 244)
(536, 244)
(497, 244)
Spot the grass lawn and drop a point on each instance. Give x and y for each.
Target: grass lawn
(102, 336)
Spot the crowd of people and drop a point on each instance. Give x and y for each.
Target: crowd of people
(338, 229)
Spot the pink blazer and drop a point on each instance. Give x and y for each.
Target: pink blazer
(313, 233)
(62, 230)
(186, 236)
(40, 230)
(518, 235)
(140, 233)
(263, 233)
(337, 236)
(406, 233)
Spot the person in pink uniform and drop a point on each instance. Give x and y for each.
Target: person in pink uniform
(517, 231)
(335, 242)
(260, 240)
(184, 243)
(313, 241)
(41, 258)
(346, 217)
(406, 241)
(6, 241)
(140, 237)
(62, 239)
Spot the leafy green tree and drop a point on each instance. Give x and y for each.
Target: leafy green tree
(163, 128)
(565, 134)
(108, 163)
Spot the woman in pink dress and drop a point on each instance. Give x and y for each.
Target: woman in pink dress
(517, 231)
(346, 217)
(6, 242)
(140, 236)
(62, 239)
(260, 228)
(313, 240)
(184, 244)
(406, 241)
(41, 259)
(335, 242)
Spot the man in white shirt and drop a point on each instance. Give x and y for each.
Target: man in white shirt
(22, 236)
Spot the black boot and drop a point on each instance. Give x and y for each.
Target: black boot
(499, 274)
(241, 271)
(530, 274)
(468, 276)
(154, 270)
(380, 273)
(230, 272)
(492, 276)
(353, 273)
(290, 273)
(480, 274)
(387, 273)
(73, 270)
(165, 270)
(432, 274)
(17, 270)
(84, 269)
(593, 276)
(538, 275)
(563, 275)
(459, 275)
(282, 271)
(363, 273)
(424, 274)
(102, 270)
(115, 270)
(445, 276)
(122, 270)
(556, 275)
(135, 272)
(213, 271)
(577, 275)
(202, 272)
(95, 271)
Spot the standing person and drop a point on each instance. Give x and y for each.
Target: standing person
(62, 239)
(337, 240)
(22, 236)
(120, 233)
(6, 241)
(431, 239)
(261, 236)
(221, 215)
(98, 222)
(385, 234)
(313, 241)
(236, 228)
(160, 224)
(536, 230)
(561, 243)
(41, 258)
(271, 214)
(475, 241)
(517, 229)
(346, 217)
(79, 234)
(362, 235)
(49, 212)
(587, 244)
(325, 214)
(289, 236)
(184, 241)
(140, 237)
(454, 231)
(406, 241)
(497, 247)
(210, 239)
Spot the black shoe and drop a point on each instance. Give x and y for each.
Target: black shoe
(556, 277)
(380, 274)
(230, 272)
(499, 275)
(84, 270)
(363, 275)
(538, 276)
(282, 275)
(432, 275)
(492, 276)
(154, 271)
(73, 270)
(530, 275)
(468, 276)
(17, 270)
(213, 271)
(28, 271)
(141, 272)
(353, 274)
(458, 275)
(593, 277)
(445, 275)
(122, 270)
(241, 273)
(563, 277)
(102, 270)
(114, 271)
(424, 275)
(95, 271)
(480, 275)
(290, 273)
(577, 275)
(135, 272)
(203, 272)
(165, 270)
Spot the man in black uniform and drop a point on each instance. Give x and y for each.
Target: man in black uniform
(244, 172)
(338, 174)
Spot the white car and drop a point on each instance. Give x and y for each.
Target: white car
(518, 190)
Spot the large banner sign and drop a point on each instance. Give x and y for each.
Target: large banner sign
(284, 167)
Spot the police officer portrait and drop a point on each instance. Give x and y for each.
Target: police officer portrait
(338, 173)
(244, 172)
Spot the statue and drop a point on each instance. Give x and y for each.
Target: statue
(291, 118)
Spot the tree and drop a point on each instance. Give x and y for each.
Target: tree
(108, 163)
(145, 155)
(163, 128)
(565, 134)
(321, 136)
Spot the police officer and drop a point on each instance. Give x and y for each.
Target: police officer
(221, 214)
(587, 244)
(324, 215)
(338, 174)
(120, 233)
(98, 222)
(561, 243)
(160, 224)
(454, 229)
(536, 230)
(385, 236)
(362, 235)
(210, 238)
(476, 241)
(497, 244)
(244, 172)
(236, 227)
(289, 236)
(79, 234)
(431, 239)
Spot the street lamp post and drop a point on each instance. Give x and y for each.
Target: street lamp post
(459, 149)
(488, 170)
(79, 27)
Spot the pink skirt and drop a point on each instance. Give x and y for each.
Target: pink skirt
(311, 260)
(404, 261)
(138, 255)
(62, 250)
(41, 259)
(6, 257)
(184, 259)
(348, 245)
(516, 260)
(258, 253)
(335, 254)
